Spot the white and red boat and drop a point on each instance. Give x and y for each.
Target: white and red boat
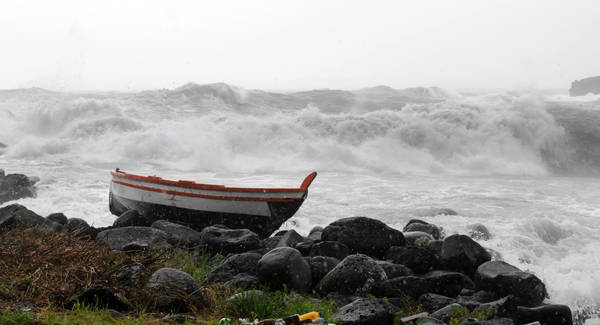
(262, 210)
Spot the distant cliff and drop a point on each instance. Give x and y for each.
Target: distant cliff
(584, 86)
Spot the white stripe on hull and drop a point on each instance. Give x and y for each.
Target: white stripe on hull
(260, 208)
(280, 195)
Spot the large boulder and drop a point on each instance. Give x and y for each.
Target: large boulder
(172, 289)
(58, 217)
(131, 218)
(505, 279)
(320, 266)
(411, 286)
(547, 315)
(422, 226)
(463, 254)
(418, 259)
(356, 274)
(99, 296)
(364, 311)
(585, 86)
(233, 265)
(393, 270)
(119, 238)
(330, 248)
(417, 238)
(479, 231)
(285, 265)
(290, 239)
(16, 214)
(16, 186)
(448, 283)
(364, 235)
(178, 235)
(222, 240)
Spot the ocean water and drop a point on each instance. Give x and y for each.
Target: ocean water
(523, 163)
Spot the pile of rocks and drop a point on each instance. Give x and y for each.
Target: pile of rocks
(16, 186)
(346, 261)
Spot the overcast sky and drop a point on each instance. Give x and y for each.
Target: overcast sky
(131, 45)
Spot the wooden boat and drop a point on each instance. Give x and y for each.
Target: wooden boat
(262, 210)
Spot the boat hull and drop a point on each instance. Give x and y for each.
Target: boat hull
(198, 206)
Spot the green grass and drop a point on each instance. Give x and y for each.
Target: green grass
(196, 264)
(10, 318)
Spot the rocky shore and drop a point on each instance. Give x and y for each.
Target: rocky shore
(375, 274)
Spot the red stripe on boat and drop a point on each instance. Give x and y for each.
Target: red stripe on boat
(214, 197)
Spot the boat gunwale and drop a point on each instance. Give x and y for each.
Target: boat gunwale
(193, 185)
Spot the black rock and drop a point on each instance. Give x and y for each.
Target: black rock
(270, 242)
(432, 302)
(435, 246)
(243, 281)
(130, 272)
(506, 306)
(505, 279)
(417, 238)
(364, 235)
(472, 299)
(411, 286)
(285, 265)
(463, 254)
(393, 270)
(58, 217)
(131, 218)
(448, 283)
(479, 232)
(547, 315)
(99, 296)
(226, 241)
(354, 275)
(304, 247)
(316, 234)
(77, 225)
(233, 265)
(340, 299)
(178, 235)
(290, 239)
(418, 259)
(425, 227)
(320, 266)
(330, 248)
(16, 214)
(16, 186)
(136, 246)
(117, 238)
(170, 287)
(365, 311)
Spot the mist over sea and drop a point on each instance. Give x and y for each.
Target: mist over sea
(523, 163)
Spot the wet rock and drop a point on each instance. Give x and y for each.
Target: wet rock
(505, 279)
(178, 235)
(473, 299)
(316, 233)
(78, 226)
(356, 274)
(233, 265)
(411, 286)
(320, 266)
(422, 226)
(418, 259)
(506, 306)
(172, 288)
(340, 299)
(243, 281)
(16, 214)
(417, 238)
(364, 235)
(330, 248)
(547, 315)
(226, 241)
(59, 218)
(304, 247)
(290, 239)
(16, 186)
(100, 296)
(432, 302)
(285, 265)
(448, 283)
(365, 311)
(270, 243)
(131, 218)
(463, 254)
(393, 270)
(117, 238)
(435, 246)
(129, 272)
(479, 232)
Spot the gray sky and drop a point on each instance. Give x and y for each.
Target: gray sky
(130, 45)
